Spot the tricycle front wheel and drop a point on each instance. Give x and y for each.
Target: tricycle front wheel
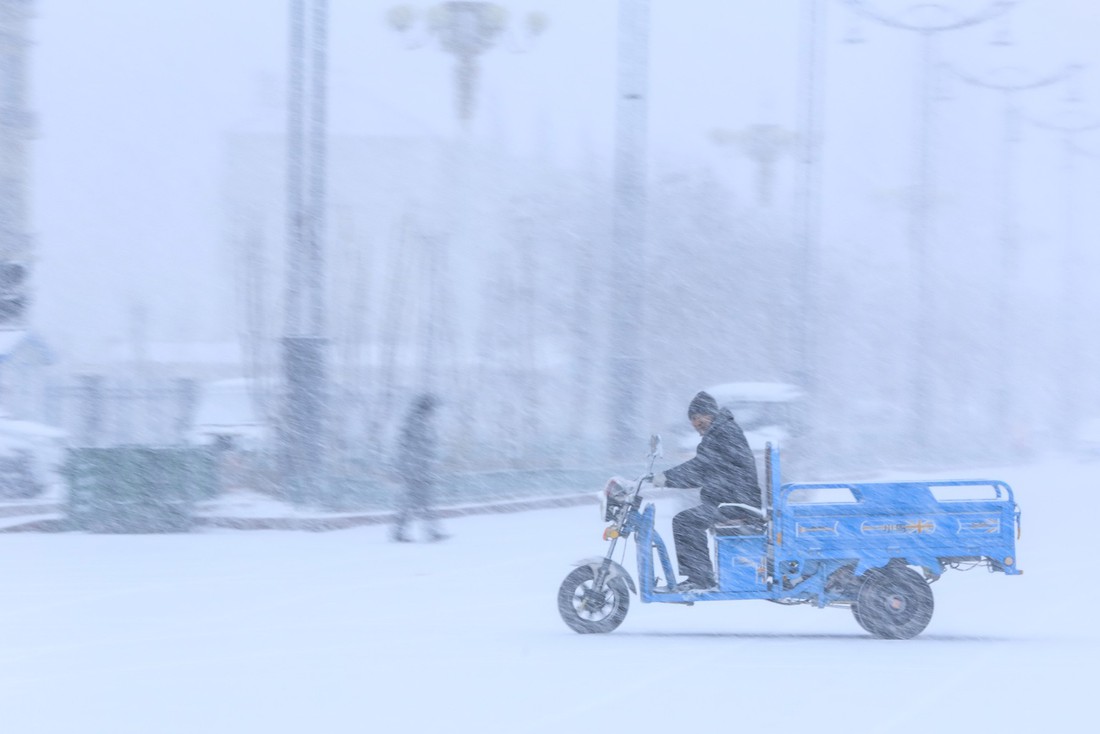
(587, 609)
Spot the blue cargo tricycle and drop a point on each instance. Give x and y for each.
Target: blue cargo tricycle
(872, 547)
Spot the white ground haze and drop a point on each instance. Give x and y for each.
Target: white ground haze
(231, 631)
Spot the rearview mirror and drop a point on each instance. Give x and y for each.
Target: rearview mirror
(655, 445)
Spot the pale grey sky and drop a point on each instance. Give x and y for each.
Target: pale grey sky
(134, 98)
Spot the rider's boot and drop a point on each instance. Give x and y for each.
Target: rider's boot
(691, 584)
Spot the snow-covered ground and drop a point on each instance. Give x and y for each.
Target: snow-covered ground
(280, 631)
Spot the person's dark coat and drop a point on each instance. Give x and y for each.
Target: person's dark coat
(417, 467)
(418, 450)
(723, 466)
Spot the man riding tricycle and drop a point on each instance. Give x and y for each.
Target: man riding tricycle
(872, 547)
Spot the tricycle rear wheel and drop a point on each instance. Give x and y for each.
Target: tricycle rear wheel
(587, 609)
(893, 603)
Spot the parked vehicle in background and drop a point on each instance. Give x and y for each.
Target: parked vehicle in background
(766, 412)
(227, 420)
(31, 455)
(226, 416)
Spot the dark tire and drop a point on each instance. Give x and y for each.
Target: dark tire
(588, 610)
(893, 603)
(859, 619)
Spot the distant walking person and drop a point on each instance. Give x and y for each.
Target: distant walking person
(417, 461)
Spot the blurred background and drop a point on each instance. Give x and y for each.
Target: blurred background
(264, 227)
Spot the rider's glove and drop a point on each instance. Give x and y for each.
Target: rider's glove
(659, 479)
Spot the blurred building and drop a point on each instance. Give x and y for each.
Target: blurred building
(450, 265)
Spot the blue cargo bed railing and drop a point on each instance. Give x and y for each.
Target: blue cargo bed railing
(928, 523)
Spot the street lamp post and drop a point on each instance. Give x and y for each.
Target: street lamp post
(921, 214)
(465, 30)
(763, 144)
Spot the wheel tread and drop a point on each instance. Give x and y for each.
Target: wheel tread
(567, 593)
(869, 607)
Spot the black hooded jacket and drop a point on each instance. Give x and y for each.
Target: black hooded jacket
(418, 449)
(723, 466)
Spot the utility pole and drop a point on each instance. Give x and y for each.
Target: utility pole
(808, 210)
(921, 397)
(1068, 414)
(627, 379)
(304, 426)
(1005, 408)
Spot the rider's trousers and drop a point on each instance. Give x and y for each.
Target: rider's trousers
(689, 530)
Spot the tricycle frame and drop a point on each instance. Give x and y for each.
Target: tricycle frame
(815, 554)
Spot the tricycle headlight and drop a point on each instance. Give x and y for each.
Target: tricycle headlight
(611, 499)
